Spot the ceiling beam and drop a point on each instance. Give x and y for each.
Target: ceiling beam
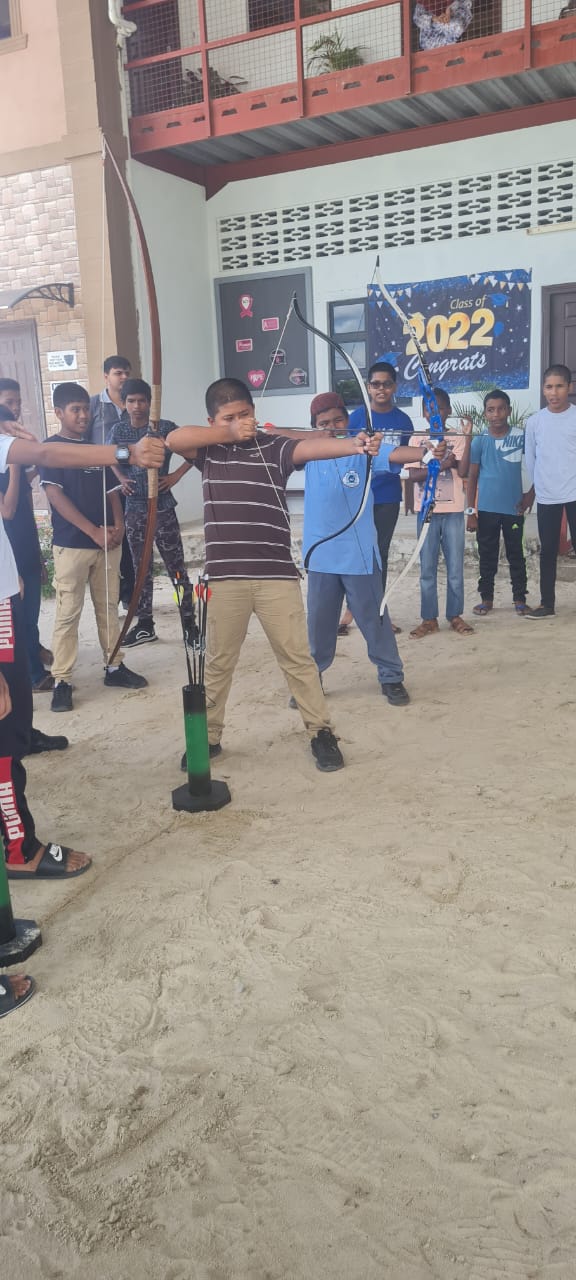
(215, 177)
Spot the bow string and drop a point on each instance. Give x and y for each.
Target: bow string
(325, 337)
(155, 404)
(378, 293)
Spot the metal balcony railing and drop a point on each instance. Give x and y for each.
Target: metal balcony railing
(213, 67)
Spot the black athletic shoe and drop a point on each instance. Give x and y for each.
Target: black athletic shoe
(396, 694)
(142, 633)
(541, 612)
(123, 678)
(62, 697)
(45, 742)
(214, 749)
(326, 751)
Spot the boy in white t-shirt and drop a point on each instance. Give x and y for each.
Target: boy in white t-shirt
(551, 466)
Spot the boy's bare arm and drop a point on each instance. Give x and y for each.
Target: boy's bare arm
(117, 516)
(147, 452)
(472, 486)
(188, 440)
(66, 508)
(9, 500)
(320, 447)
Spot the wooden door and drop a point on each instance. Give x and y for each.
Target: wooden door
(19, 360)
(559, 329)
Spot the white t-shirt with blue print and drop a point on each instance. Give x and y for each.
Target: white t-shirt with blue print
(500, 477)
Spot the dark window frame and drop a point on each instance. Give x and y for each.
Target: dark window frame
(341, 381)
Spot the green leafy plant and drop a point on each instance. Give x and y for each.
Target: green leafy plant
(329, 53)
(45, 536)
(475, 409)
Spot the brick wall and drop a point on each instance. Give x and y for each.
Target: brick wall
(38, 246)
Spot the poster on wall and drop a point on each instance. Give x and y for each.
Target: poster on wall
(471, 328)
(254, 344)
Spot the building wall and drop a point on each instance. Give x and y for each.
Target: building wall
(32, 109)
(339, 275)
(184, 235)
(175, 215)
(37, 246)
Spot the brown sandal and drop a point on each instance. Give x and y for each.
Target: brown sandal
(461, 627)
(425, 628)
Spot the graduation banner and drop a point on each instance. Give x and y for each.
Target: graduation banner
(471, 328)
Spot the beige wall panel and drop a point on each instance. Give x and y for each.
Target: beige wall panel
(32, 111)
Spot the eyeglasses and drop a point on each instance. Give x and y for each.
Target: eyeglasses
(386, 384)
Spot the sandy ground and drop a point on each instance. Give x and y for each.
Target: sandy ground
(329, 1032)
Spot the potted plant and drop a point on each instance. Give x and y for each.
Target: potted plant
(329, 53)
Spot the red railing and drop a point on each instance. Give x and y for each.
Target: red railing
(192, 75)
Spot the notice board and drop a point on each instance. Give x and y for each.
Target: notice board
(254, 345)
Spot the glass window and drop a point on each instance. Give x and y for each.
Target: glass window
(348, 325)
(5, 24)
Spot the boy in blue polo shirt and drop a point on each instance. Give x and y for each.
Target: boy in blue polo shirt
(349, 564)
(386, 485)
(496, 476)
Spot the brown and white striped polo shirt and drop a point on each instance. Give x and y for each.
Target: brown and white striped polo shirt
(246, 522)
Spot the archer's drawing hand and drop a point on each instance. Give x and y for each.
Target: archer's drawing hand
(148, 452)
(243, 429)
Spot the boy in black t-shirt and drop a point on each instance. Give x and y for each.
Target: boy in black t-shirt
(87, 548)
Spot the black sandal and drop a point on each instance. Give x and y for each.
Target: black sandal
(52, 866)
(8, 1001)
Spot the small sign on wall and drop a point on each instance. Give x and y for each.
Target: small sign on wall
(59, 361)
(58, 384)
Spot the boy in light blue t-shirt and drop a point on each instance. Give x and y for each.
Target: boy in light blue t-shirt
(496, 476)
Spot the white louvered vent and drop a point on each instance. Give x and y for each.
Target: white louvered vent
(480, 205)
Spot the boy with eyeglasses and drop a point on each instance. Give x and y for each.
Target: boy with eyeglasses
(386, 485)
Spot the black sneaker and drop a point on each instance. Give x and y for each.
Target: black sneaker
(396, 694)
(142, 633)
(123, 678)
(541, 612)
(326, 751)
(214, 749)
(62, 697)
(45, 742)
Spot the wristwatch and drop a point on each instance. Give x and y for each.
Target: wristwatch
(122, 454)
(470, 511)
